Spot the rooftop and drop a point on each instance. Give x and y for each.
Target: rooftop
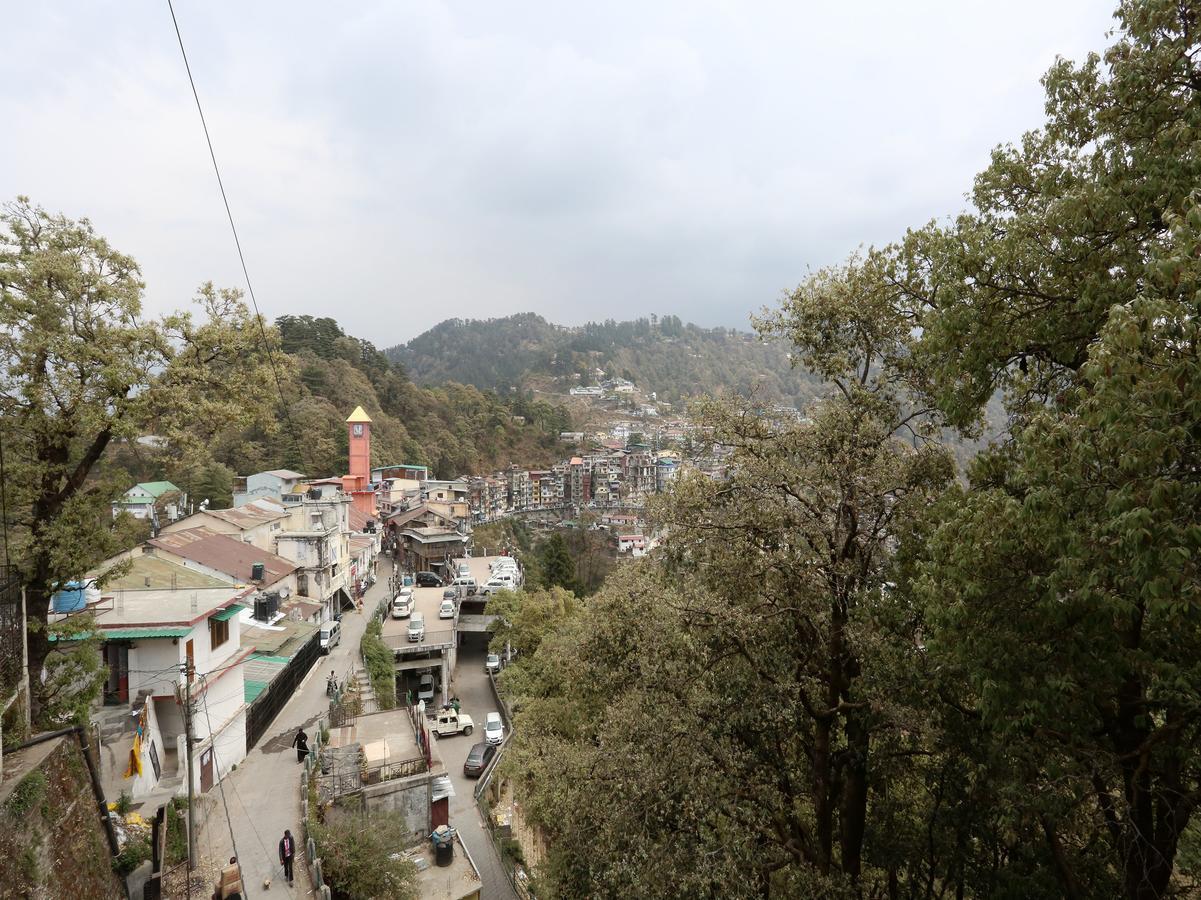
(165, 608)
(359, 415)
(286, 474)
(386, 737)
(224, 554)
(153, 573)
(459, 879)
(256, 512)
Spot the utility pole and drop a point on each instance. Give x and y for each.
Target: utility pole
(187, 722)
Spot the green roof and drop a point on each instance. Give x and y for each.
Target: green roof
(129, 634)
(157, 488)
(251, 689)
(228, 613)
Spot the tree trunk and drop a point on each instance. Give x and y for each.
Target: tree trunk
(854, 795)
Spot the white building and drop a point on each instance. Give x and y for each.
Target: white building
(280, 485)
(151, 636)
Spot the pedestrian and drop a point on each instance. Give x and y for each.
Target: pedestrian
(454, 701)
(287, 849)
(301, 743)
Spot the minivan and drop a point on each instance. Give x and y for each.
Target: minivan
(429, 579)
(467, 582)
(331, 634)
(416, 627)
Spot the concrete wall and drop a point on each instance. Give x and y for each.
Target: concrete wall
(52, 842)
(408, 798)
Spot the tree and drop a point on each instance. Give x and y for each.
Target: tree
(758, 712)
(556, 566)
(1078, 546)
(80, 368)
(525, 618)
(359, 856)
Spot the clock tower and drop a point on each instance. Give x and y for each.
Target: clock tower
(358, 427)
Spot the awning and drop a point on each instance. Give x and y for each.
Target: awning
(228, 613)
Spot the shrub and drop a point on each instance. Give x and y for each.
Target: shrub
(26, 794)
(357, 857)
(377, 660)
(135, 852)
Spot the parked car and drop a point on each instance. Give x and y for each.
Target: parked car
(501, 561)
(464, 569)
(331, 635)
(447, 609)
(429, 579)
(450, 722)
(402, 606)
(502, 582)
(494, 728)
(492, 663)
(477, 760)
(425, 688)
(451, 593)
(417, 627)
(467, 583)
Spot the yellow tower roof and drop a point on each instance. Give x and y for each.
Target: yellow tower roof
(358, 416)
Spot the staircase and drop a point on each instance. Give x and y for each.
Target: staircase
(363, 686)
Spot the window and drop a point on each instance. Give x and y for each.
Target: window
(218, 633)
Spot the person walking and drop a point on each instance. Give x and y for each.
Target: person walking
(287, 850)
(301, 743)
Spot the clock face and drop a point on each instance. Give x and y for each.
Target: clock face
(358, 429)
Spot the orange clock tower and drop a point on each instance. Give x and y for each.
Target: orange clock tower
(358, 482)
(358, 427)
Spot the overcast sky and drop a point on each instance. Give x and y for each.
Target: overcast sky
(394, 164)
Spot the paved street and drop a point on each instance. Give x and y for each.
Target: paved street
(263, 793)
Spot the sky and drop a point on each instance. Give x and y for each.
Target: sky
(394, 164)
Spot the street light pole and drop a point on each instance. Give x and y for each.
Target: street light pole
(187, 721)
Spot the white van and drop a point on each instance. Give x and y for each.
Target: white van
(467, 582)
(502, 582)
(331, 634)
(501, 561)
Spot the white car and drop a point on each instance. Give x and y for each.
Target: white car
(501, 561)
(494, 728)
(498, 583)
(446, 610)
(402, 606)
(417, 627)
(492, 663)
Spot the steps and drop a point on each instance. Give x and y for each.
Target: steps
(363, 685)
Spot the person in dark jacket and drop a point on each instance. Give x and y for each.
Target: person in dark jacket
(301, 743)
(287, 850)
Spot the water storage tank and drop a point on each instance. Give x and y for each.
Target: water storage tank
(70, 598)
(256, 572)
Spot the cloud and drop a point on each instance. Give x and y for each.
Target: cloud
(394, 164)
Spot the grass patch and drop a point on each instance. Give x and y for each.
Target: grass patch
(177, 832)
(27, 794)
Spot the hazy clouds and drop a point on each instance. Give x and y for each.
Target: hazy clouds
(394, 164)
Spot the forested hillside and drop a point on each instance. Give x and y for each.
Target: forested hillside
(674, 359)
(455, 429)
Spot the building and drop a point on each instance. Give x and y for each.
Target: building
(279, 485)
(163, 647)
(357, 484)
(518, 489)
(258, 522)
(158, 501)
(316, 536)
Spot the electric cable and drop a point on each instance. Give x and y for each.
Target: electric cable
(221, 784)
(229, 213)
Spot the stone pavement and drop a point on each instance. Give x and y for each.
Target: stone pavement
(263, 794)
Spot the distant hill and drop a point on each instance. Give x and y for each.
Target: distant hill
(673, 359)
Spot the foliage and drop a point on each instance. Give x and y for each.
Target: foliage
(524, 618)
(454, 429)
(177, 832)
(135, 852)
(74, 669)
(378, 661)
(555, 564)
(675, 360)
(359, 856)
(124, 804)
(81, 368)
(26, 795)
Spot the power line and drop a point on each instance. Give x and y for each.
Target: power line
(234, 228)
(221, 781)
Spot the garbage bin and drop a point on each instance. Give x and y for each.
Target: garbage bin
(444, 854)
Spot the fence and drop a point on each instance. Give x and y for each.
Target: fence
(267, 705)
(12, 629)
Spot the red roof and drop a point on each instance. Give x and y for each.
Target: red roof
(223, 554)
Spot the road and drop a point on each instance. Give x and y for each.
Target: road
(262, 795)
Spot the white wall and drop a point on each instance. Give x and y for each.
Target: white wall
(155, 655)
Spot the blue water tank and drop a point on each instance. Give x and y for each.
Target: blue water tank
(70, 598)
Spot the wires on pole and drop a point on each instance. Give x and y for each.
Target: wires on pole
(229, 214)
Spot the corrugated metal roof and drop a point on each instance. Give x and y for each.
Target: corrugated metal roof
(224, 553)
(252, 689)
(157, 488)
(129, 634)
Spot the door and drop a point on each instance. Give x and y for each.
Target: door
(206, 770)
(190, 658)
(440, 812)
